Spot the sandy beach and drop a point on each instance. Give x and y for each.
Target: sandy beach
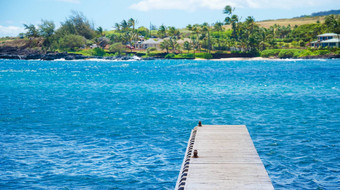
(237, 59)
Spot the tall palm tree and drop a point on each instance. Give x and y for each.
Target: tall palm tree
(187, 46)
(231, 19)
(124, 25)
(132, 23)
(206, 29)
(162, 31)
(197, 30)
(218, 28)
(165, 45)
(117, 26)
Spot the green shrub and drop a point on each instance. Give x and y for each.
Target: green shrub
(236, 52)
(118, 48)
(98, 52)
(288, 53)
(71, 41)
(270, 53)
(305, 53)
(302, 43)
(170, 56)
(323, 52)
(185, 56)
(153, 54)
(203, 55)
(140, 54)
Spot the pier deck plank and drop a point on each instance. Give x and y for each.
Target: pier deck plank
(227, 159)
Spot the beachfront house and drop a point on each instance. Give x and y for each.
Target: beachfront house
(327, 40)
(152, 42)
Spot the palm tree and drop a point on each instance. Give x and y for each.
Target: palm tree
(132, 23)
(189, 27)
(231, 19)
(162, 31)
(100, 30)
(206, 29)
(117, 26)
(197, 30)
(125, 26)
(218, 28)
(173, 44)
(165, 45)
(187, 46)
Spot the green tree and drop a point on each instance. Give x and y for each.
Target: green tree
(332, 24)
(46, 28)
(32, 31)
(187, 46)
(100, 31)
(134, 35)
(206, 30)
(124, 26)
(165, 44)
(118, 48)
(71, 42)
(231, 19)
(143, 31)
(117, 27)
(162, 31)
(132, 23)
(76, 24)
(98, 52)
(173, 44)
(173, 32)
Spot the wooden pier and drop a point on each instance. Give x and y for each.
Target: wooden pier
(222, 157)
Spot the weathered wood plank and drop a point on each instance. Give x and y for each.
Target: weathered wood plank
(227, 159)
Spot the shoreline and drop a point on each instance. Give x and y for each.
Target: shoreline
(71, 56)
(238, 59)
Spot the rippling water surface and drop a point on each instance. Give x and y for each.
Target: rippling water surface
(124, 125)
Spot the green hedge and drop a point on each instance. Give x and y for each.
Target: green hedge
(289, 53)
(295, 53)
(180, 56)
(203, 55)
(270, 53)
(170, 56)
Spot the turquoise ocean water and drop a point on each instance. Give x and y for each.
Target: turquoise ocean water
(125, 125)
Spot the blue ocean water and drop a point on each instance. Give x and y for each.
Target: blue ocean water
(125, 125)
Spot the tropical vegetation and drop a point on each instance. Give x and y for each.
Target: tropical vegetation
(232, 36)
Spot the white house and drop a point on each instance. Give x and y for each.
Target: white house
(327, 40)
(152, 42)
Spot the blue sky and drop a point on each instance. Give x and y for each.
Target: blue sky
(178, 13)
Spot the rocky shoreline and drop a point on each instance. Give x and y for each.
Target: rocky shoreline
(29, 54)
(64, 55)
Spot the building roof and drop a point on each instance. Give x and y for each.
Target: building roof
(152, 41)
(334, 40)
(328, 34)
(181, 41)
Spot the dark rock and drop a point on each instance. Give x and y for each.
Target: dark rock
(33, 56)
(69, 57)
(7, 56)
(148, 58)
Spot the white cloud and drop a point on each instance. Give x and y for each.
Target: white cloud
(146, 5)
(10, 31)
(70, 1)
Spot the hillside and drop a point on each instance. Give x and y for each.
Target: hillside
(325, 13)
(292, 21)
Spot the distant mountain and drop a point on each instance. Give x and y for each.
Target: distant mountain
(323, 13)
